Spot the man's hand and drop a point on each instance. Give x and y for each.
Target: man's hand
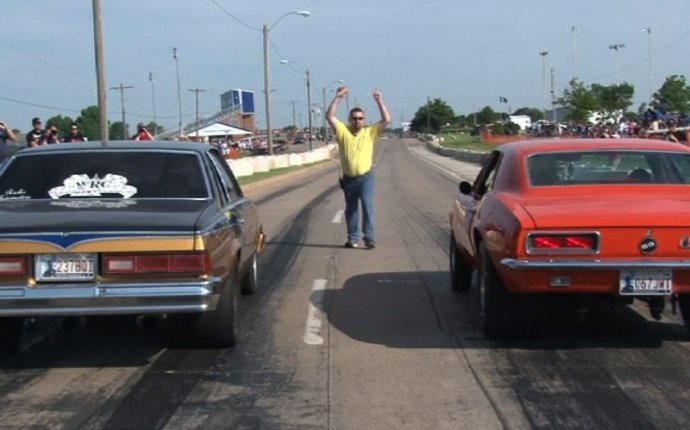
(341, 92)
(3, 126)
(377, 96)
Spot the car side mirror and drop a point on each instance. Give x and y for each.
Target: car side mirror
(465, 187)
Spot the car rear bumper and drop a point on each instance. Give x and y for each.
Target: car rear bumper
(512, 263)
(110, 299)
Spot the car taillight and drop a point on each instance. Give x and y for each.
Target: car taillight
(156, 263)
(13, 266)
(544, 242)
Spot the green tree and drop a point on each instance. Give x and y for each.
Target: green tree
(431, 116)
(115, 131)
(579, 101)
(534, 113)
(61, 122)
(154, 128)
(673, 96)
(613, 100)
(487, 116)
(89, 123)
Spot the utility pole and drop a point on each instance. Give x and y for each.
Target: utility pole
(196, 92)
(153, 103)
(553, 96)
(543, 54)
(100, 70)
(122, 89)
(309, 111)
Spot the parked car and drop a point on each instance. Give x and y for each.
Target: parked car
(576, 220)
(148, 230)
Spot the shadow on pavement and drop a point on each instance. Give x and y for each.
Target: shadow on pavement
(418, 310)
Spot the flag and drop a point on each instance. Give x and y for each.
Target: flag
(503, 100)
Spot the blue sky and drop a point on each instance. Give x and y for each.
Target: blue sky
(467, 53)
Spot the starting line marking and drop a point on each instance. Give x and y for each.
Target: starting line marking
(312, 332)
(338, 218)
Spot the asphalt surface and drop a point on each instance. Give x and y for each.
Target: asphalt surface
(357, 339)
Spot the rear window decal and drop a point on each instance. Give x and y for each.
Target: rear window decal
(85, 186)
(13, 194)
(92, 204)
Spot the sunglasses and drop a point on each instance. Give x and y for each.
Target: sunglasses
(357, 118)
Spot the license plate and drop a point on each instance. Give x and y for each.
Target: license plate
(65, 267)
(646, 282)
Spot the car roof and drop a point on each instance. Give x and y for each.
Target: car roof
(91, 146)
(527, 147)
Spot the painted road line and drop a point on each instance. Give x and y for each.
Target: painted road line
(312, 333)
(428, 161)
(338, 218)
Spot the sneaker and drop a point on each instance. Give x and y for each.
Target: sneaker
(370, 244)
(351, 244)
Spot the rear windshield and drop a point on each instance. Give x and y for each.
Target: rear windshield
(101, 174)
(607, 167)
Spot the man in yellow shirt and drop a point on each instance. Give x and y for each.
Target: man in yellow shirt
(356, 143)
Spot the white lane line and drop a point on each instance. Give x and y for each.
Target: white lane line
(312, 333)
(338, 218)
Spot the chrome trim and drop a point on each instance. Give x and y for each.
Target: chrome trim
(535, 251)
(110, 299)
(512, 263)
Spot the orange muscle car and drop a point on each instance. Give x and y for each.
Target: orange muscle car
(577, 219)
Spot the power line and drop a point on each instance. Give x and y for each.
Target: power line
(234, 17)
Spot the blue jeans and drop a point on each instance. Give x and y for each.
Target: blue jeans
(359, 188)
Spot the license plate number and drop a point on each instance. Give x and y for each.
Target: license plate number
(646, 282)
(65, 267)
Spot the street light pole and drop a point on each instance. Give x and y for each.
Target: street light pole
(649, 32)
(179, 95)
(196, 92)
(615, 48)
(543, 83)
(153, 103)
(574, 30)
(266, 30)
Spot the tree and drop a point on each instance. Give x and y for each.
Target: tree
(431, 116)
(61, 122)
(613, 100)
(487, 116)
(673, 96)
(579, 101)
(154, 128)
(533, 113)
(89, 123)
(115, 131)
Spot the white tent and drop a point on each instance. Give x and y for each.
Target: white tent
(219, 130)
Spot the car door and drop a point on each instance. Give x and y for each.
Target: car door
(237, 208)
(470, 204)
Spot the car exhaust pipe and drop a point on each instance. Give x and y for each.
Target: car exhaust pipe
(73, 323)
(150, 323)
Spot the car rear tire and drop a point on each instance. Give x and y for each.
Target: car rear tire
(250, 280)
(684, 304)
(496, 306)
(218, 328)
(460, 272)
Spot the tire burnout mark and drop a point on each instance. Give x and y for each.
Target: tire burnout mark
(144, 406)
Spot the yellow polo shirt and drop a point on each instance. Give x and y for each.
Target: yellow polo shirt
(356, 151)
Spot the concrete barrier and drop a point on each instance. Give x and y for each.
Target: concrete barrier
(476, 157)
(249, 165)
(241, 167)
(261, 163)
(295, 159)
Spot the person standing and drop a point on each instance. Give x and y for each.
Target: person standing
(35, 137)
(356, 143)
(142, 133)
(6, 134)
(74, 135)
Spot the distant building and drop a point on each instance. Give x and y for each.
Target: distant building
(523, 121)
